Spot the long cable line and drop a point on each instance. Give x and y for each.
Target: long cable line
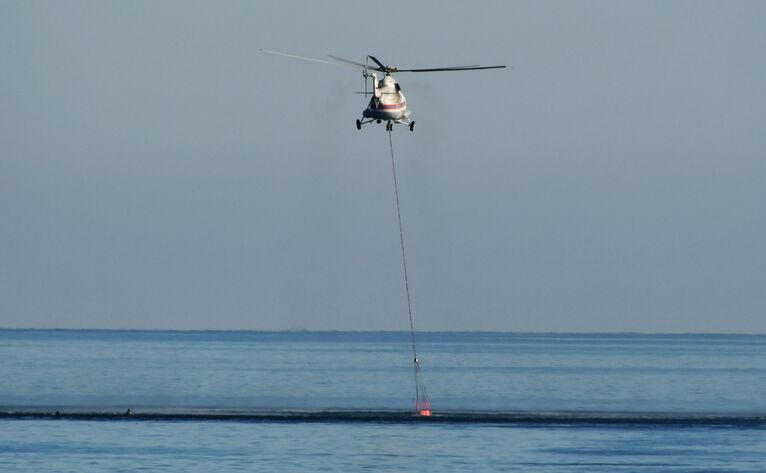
(422, 405)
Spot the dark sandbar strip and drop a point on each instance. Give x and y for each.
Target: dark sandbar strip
(390, 417)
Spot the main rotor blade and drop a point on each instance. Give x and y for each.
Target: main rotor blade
(295, 56)
(353, 63)
(358, 64)
(375, 60)
(339, 61)
(454, 68)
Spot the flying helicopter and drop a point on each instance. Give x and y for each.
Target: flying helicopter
(387, 102)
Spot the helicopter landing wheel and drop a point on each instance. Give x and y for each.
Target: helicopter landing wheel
(378, 121)
(358, 125)
(412, 126)
(389, 127)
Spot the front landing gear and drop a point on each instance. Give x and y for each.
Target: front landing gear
(412, 126)
(358, 125)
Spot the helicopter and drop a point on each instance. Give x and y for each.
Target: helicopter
(387, 102)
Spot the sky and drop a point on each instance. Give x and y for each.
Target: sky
(158, 172)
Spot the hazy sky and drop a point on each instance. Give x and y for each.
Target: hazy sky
(156, 171)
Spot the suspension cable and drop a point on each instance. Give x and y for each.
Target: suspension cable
(422, 405)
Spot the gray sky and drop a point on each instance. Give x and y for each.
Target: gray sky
(156, 171)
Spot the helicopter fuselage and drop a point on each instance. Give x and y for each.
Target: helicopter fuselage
(387, 104)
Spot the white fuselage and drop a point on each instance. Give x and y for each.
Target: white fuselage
(388, 102)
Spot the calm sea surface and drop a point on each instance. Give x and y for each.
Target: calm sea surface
(674, 375)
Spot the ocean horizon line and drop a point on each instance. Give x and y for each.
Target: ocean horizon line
(369, 331)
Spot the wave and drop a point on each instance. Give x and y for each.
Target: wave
(518, 418)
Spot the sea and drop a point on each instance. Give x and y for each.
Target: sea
(199, 401)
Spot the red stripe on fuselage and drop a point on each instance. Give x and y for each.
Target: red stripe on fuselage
(389, 106)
